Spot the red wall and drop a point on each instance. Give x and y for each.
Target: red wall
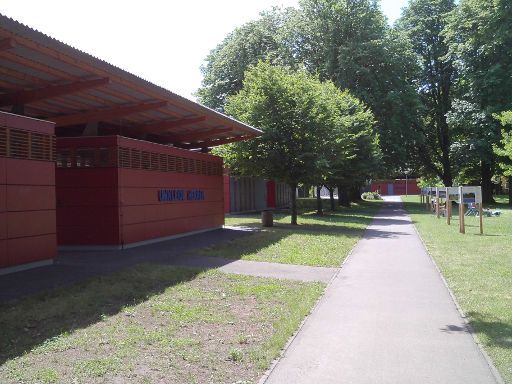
(27, 190)
(118, 204)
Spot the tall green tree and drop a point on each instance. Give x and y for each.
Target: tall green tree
(504, 149)
(285, 105)
(223, 73)
(480, 38)
(352, 149)
(345, 41)
(350, 43)
(424, 21)
(307, 127)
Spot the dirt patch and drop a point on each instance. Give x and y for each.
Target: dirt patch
(209, 327)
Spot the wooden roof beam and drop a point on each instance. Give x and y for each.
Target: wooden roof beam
(25, 97)
(164, 126)
(189, 137)
(212, 143)
(104, 114)
(6, 44)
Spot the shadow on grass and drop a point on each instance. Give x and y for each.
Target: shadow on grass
(498, 332)
(350, 223)
(30, 322)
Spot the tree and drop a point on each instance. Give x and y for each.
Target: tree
(310, 129)
(285, 105)
(350, 43)
(226, 64)
(352, 148)
(345, 41)
(424, 21)
(504, 149)
(480, 38)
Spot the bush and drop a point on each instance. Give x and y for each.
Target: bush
(371, 196)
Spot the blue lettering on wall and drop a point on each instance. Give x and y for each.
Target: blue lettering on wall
(180, 195)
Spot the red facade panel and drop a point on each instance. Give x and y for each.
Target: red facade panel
(30, 223)
(26, 123)
(30, 198)
(3, 225)
(31, 249)
(29, 172)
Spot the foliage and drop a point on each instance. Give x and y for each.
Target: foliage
(347, 42)
(285, 105)
(312, 131)
(371, 196)
(350, 43)
(480, 38)
(433, 83)
(505, 149)
(423, 21)
(424, 182)
(226, 64)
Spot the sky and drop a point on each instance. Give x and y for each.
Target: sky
(162, 41)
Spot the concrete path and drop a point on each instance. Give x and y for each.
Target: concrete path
(387, 317)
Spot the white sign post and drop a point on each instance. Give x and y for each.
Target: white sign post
(452, 194)
(470, 195)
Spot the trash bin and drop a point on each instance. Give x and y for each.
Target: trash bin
(267, 219)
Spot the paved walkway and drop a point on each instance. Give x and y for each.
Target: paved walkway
(387, 317)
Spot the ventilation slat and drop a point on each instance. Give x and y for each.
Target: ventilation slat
(131, 158)
(21, 144)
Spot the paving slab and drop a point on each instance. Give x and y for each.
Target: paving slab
(261, 269)
(387, 317)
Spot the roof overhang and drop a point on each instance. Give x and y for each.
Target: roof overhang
(46, 79)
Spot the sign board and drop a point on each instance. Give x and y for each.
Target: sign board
(453, 193)
(180, 195)
(470, 195)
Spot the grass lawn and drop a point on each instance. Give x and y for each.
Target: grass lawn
(317, 240)
(152, 324)
(479, 272)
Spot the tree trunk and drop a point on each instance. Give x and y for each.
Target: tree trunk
(293, 191)
(486, 183)
(306, 190)
(510, 190)
(331, 198)
(343, 200)
(355, 194)
(319, 209)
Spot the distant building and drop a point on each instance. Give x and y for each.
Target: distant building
(395, 187)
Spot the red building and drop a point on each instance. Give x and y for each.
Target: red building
(395, 187)
(127, 191)
(132, 162)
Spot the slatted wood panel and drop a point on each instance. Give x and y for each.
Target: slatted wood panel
(133, 159)
(22, 144)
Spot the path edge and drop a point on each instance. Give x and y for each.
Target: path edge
(492, 367)
(276, 361)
